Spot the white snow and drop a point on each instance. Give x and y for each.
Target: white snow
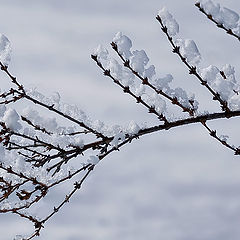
(11, 119)
(139, 91)
(157, 102)
(163, 83)
(119, 137)
(124, 44)
(93, 160)
(175, 184)
(2, 110)
(5, 50)
(149, 72)
(133, 128)
(2, 154)
(234, 102)
(209, 73)
(188, 47)
(210, 7)
(189, 50)
(49, 123)
(101, 52)
(119, 72)
(139, 60)
(225, 87)
(230, 18)
(223, 15)
(169, 21)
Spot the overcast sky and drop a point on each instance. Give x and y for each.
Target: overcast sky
(173, 185)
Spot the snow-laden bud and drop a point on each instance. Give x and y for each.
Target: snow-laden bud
(101, 52)
(223, 15)
(11, 119)
(139, 60)
(93, 160)
(5, 50)
(169, 21)
(2, 110)
(124, 44)
(189, 50)
(133, 128)
(230, 18)
(210, 7)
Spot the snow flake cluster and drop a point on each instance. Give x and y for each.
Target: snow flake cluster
(93, 160)
(188, 47)
(169, 21)
(5, 50)
(224, 82)
(227, 17)
(11, 119)
(189, 50)
(124, 44)
(139, 62)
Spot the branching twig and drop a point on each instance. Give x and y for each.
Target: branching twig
(220, 25)
(192, 69)
(126, 89)
(41, 152)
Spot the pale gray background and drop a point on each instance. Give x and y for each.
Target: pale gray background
(175, 185)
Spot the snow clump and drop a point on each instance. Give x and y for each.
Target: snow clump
(93, 160)
(223, 15)
(188, 47)
(5, 50)
(11, 119)
(139, 60)
(124, 44)
(133, 128)
(226, 85)
(169, 21)
(101, 52)
(189, 50)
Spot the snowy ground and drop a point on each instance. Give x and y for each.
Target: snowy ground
(175, 185)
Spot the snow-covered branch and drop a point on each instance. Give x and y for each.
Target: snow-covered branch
(46, 142)
(223, 17)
